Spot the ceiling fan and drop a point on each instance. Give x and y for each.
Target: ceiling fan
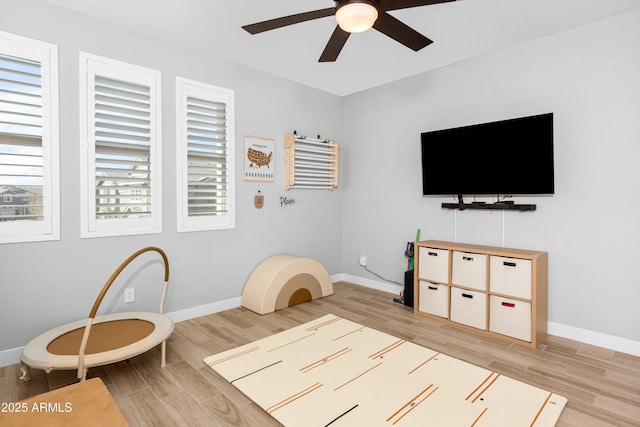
(355, 16)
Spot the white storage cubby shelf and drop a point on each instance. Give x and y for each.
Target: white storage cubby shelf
(496, 291)
(310, 163)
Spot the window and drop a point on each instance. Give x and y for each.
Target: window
(29, 146)
(121, 148)
(205, 153)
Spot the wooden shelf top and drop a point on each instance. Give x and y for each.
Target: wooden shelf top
(483, 249)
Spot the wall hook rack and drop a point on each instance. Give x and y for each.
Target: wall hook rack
(310, 163)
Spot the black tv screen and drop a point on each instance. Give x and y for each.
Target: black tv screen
(500, 158)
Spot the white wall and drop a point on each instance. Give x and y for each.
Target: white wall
(589, 78)
(43, 285)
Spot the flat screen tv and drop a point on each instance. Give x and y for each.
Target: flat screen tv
(508, 157)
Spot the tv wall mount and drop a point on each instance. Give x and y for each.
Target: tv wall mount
(502, 205)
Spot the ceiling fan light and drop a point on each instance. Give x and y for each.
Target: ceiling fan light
(356, 17)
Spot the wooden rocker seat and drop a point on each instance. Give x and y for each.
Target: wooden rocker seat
(100, 340)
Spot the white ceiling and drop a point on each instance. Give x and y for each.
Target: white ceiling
(460, 30)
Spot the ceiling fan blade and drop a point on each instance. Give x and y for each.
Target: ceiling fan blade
(272, 24)
(335, 45)
(403, 4)
(401, 32)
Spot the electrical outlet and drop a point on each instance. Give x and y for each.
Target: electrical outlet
(129, 295)
(363, 261)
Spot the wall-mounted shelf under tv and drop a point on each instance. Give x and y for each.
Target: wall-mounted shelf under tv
(502, 206)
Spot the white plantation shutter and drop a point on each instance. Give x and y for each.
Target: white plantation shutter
(29, 190)
(122, 179)
(21, 169)
(122, 149)
(205, 156)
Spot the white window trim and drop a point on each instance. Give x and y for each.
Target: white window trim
(211, 222)
(49, 228)
(90, 226)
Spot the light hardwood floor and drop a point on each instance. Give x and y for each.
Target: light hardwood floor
(603, 386)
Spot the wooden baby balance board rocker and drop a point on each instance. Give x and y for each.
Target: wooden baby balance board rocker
(282, 281)
(101, 340)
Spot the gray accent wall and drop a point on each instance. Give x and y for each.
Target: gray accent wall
(589, 77)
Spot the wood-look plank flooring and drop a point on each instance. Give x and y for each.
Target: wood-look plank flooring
(603, 386)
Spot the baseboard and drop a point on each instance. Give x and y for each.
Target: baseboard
(204, 310)
(12, 355)
(374, 284)
(624, 345)
(611, 342)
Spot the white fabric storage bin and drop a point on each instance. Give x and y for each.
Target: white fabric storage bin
(510, 317)
(434, 299)
(469, 308)
(434, 265)
(469, 270)
(510, 276)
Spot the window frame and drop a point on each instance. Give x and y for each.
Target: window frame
(185, 223)
(47, 55)
(91, 66)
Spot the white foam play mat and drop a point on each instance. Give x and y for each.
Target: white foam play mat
(334, 372)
